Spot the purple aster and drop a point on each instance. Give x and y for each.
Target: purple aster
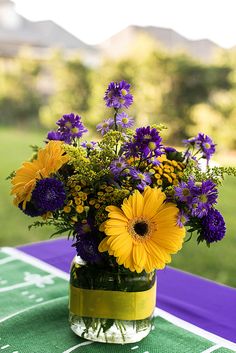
(124, 120)
(206, 196)
(118, 95)
(105, 126)
(146, 143)
(206, 145)
(71, 126)
(55, 135)
(89, 145)
(48, 195)
(141, 179)
(87, 243)
(118, 166)
(213, 227)
(185, 191)
(182, 218)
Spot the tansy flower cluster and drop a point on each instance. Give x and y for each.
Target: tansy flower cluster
(127, 199)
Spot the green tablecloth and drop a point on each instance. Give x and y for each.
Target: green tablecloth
(34, 317)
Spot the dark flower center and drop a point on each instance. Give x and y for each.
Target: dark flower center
(141, 228)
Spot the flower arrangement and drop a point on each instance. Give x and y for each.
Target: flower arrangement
(126, 199)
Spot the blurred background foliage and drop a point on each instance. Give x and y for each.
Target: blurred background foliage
(174, 89)
(186, 95)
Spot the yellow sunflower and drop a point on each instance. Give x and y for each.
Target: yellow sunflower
(48, 161)
(144, 232)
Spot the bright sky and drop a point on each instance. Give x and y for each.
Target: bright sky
(93, 21)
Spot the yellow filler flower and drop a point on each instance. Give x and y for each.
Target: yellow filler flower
(143, 233)
(49, 160)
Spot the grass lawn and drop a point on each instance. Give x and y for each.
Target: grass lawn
(217, 263)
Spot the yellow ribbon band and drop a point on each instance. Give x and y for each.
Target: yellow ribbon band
(112, 304)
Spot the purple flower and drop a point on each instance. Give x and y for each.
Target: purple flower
(117, 95)
(141, 179)
(204, 143)
(213, 227)
(185, 191)
(182, 218)
(205, 196)
(70, 127)
(48, 195)
(87, 243)
(71, 123)
(146, 143)
(30, 209)
(118, 166)
(124, 120)
(89, 145)
(105, 126)
(55, 135)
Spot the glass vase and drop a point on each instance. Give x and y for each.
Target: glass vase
(110, 304)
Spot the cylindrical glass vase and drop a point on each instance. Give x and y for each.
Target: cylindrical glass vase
(110, 304)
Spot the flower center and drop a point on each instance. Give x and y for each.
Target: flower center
(152, 146)
(74, 130)
(207, 145)
(123, 92)
(125, 120)
(203, 198)
(141, 228)
(186, 192)
(68, 124)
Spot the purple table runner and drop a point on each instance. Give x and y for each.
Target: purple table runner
(204, 303)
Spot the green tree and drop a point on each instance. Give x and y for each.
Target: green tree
(71, 88)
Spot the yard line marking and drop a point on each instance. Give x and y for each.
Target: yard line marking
(29, 308)
(7, 259)
(195, 329)
(212, 349)
(20, 255)
(135, 347)
(6, 346)
(77, 346)
(32, 296)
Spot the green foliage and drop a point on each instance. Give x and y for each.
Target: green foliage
(70, 92)
(19, 96)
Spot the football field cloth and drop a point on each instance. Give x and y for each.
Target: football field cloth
(34, 316)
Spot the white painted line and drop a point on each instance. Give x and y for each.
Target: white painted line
(135, 347)
(38, 300)
(20, 255)
(6, 346)
(195, 329)
(29, 308)
(25, 292)
(77, 346)
(32, 296)
(212, 349)
(6, 259)
(34, 280)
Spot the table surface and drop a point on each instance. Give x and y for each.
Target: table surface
(201, 302)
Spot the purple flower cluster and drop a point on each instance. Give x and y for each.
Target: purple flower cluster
(118, 95)
(146, 144)
(199, 197)
(49, 195)
(87, 243)
(203, 143)
(213, 227)
(70, 127)
(118, 167)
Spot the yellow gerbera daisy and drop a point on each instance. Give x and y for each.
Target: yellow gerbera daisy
(143, 233)
(48, 161)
